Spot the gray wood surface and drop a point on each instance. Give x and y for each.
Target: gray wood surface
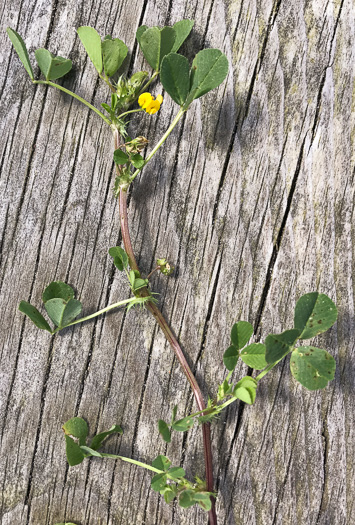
(251, 198)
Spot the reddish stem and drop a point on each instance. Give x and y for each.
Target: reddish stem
(206, 429)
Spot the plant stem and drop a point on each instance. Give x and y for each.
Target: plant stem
(153, 271)
(129, 460)
(131, 111)
(206, 430)
(156, 73)
(105, 79)
(74, 95)
(267, 369)
(99, 312)
(161, 141)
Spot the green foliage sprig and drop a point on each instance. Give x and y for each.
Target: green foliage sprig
(314, 312)
(313, 367)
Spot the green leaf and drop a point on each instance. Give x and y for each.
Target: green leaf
(279, 345)
(107, 108)
(182, 30)
(21, 50)
(155, 43)
(74, 453)
(131, 277)
(241, 333)
(140, 32)
(140, 283)
(72, 310)
(78, 428)
(98, 439)
(223, 390)
(312, 367)
(52, 67)
(314, 314)
(161, 463)
(230, 357)
(164, 431)
(183, 424)
(58, 289)
(113, 52)
(176, 472)
(120, 157)
(137, 161)
(175, 77)
(254, 356)
(204, 500)
(245, 393)
(158, 482)
(55, 309)
(120, 257)
(247, 381)
(186, 499)
(209, 69)
(170, 494)
(35, 316)
(91, 40)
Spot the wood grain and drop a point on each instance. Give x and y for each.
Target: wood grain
(252, 199)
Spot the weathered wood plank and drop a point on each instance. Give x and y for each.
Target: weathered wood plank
(251, 199)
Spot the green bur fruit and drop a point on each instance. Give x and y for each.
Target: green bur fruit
(312, 367)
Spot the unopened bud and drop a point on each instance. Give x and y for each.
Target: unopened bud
(165, 267)
(136, 145)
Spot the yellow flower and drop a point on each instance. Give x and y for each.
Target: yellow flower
(144, 100)
(147, 102)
